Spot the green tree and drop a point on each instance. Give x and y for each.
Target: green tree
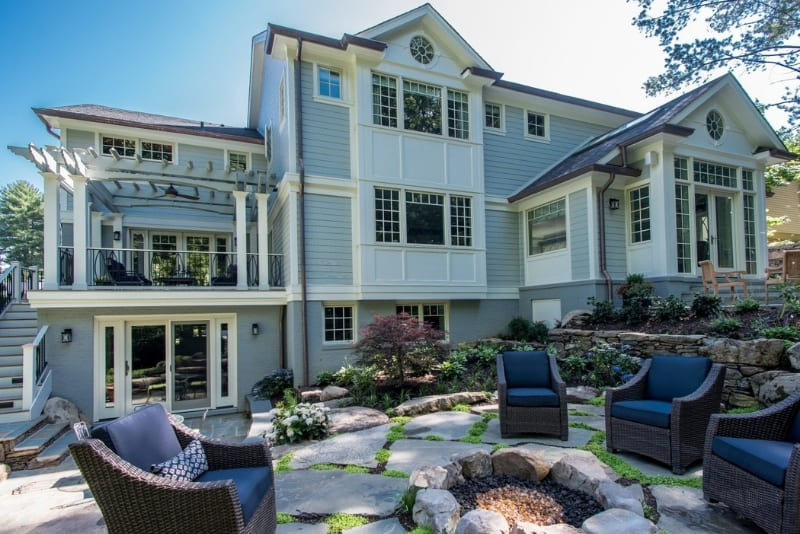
(778, 175)
(738, 34)
(21, 223)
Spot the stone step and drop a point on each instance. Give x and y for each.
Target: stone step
(55, 452)
(26, 450)
(12, 433)
(20, 314)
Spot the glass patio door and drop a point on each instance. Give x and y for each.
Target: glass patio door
(146, 366)
(190, 344)
(714, 228)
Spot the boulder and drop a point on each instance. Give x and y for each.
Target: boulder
(354, 418)
(582, 473)
(333, 392)
(311, 395)
(523, 527)
(793, 354)
(576, 319)
(738, 399)
(581, 394)
(436, 403)
(774, 386)
(436, 509)
(435, 477)
(758, 352)
(474, 464)
(482, 522)
(611, 495)
(684, 511)
(60, 410)
(616, 520)
(521, 463)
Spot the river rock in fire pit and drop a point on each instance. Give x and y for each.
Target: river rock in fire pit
(616, 520)
(482, 522)
(523, 527)
(436, 477)
(437, 509)
(582, 473)
(520, 463)
(474, 464)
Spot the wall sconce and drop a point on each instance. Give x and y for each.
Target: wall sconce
(613, 203)
(254, 329)
(117, 235)
(66, 335)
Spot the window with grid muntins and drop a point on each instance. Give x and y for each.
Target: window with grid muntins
(411, 310)
(338, 323)
(422, 107)
(424, 218)
(432, 314)
(387, 215)
(547, 227)
(683, 228)
(536, 124)
(384, 100)
(639, 202)
(461, 221)
(714, 174)
(749, 233)
(124, 147)
(492, 114)
(156, 151)
(330, 83)
(681, 169)
(747, 180)
(237, 161)
(457, 114)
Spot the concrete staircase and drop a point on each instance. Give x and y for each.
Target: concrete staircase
(34, 444)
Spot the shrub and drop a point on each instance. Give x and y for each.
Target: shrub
(671, 309)
(704, 306)
(454, 366)
(788, 333)
(273, 384)
(602, 310)
(398, 344)
(791, 298)
(746, 305)
(521, 329)
(300, 422)
(325, 378)
(359, 380)
(605, 365)
(725, 325)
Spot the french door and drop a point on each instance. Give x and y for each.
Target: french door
(714, 225)
(182, 364)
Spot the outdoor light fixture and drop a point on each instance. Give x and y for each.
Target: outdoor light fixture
(117, 235)
(613, 203)
(255, 329)
(66, 335)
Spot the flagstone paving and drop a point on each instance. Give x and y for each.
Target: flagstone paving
(355, 448)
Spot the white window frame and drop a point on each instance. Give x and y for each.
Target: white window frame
(635, 215)
(162, 144)
(528, 223)
(120, 138)
(502, 117)
(353, 323)
(318, 83)
(540, 138)
(421, 312)
(246, 155)
(138, 142)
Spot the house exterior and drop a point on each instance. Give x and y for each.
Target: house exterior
(387, 171)
(785, 202)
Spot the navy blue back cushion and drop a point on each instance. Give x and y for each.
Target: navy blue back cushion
(671, 377)
(144, 437)
(529, 369)
(794, 431)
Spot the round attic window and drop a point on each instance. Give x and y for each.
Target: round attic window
(715, 125)
(421, 49)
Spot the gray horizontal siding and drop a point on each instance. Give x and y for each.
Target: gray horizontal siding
(503, 252)
(199, 155)
(512, 161)
(326, 133)
(79, 139)
(616, 238)
(280, 238)
(579, 235)
(329, 241)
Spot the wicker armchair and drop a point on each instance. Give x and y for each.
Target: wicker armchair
(752, 464)
(236, 494)
(531, 395)
(663, 411)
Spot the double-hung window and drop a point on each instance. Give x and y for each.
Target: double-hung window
(237, 161)
(338, 326)
(493, 116)
(156, 151)
(124, 147)
(423, 217)
(330, 83)
(384, 100)
(639, 202)
(537, 125)
(430, 314)
(547, 227)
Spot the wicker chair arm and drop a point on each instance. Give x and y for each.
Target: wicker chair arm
(502, 385)
(633, 389)
(770, 423)
(555, 376)
(226, 454)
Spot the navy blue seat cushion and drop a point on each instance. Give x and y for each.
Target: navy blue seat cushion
(763, 458)
(144, 437)
(647, 412)
(671, 377)
(252, 483)
(530, 369)
(531, 397)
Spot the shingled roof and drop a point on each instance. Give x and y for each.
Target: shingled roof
(136, 119)
(586, 157)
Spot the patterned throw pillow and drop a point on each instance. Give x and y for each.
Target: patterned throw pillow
(187, 466)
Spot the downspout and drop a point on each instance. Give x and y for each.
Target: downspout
(601, 216)
(298, 92)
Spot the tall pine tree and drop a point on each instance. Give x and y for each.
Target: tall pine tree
(21, 223)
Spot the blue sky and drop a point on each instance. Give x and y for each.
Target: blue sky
(190, 58)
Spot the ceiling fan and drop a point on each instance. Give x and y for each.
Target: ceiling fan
(171, 192)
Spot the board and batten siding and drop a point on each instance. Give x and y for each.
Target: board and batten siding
(579, 235)
(616, 238)
(199, 155)
(512, 160)
(503, 249)
(326, 133)
(329, 241)
(79, 139)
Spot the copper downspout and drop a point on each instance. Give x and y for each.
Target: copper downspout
(601, 216)
(298, 92)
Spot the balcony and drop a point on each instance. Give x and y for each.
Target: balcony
(153, 268)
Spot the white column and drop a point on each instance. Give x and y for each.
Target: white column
(51, 231)
(80, 208)
(263, 240)
(241, 239)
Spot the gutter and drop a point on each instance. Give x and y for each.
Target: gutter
(302, 214)
(601, 219)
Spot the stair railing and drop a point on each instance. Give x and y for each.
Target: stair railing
(15, 282)
(35, 378)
